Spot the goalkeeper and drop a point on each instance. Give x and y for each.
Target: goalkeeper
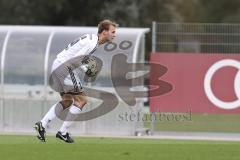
(64, 79)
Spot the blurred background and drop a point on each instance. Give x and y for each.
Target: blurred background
(202, 31)
(128, 13)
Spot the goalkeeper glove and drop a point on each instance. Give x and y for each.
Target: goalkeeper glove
(86, 69)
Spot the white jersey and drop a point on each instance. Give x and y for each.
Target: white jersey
(84, 45)
(64, 78)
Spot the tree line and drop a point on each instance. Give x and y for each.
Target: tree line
(128, 13)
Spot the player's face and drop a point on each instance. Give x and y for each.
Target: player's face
(111, 33)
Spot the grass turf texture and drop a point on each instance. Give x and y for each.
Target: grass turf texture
(229, 123)
(28, 147)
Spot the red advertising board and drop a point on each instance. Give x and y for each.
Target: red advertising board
(202, 83)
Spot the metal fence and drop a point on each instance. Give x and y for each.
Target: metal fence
(196, 38)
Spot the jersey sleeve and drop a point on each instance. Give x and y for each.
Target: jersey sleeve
(88, 46)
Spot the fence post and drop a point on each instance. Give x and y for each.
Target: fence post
(154, 44)
(154, 24)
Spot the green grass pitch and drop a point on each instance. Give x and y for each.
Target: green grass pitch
(13, 147)
(201, 123)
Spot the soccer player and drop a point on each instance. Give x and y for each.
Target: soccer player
(63, 72)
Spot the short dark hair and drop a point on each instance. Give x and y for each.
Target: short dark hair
(104, 25)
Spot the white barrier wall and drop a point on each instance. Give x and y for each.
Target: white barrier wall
(26, 55)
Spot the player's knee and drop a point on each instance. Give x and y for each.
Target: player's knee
(67, 97)
(66, 103)
(80, 103)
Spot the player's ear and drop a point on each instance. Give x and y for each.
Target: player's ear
(105, 32)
